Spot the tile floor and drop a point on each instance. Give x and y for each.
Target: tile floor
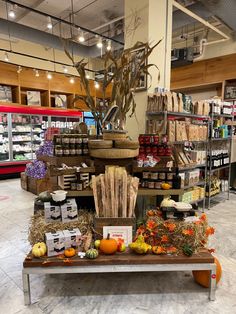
(167, 293)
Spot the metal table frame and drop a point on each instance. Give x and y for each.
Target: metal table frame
(117, 269)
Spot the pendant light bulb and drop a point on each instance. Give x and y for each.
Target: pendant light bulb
(36, 73)
(6, 57)
(12, 13)
(72, 80)
(109, 45)
(65, 70)
(99, 43)
(87, 76)
(96, 85)
(49, 22)
(19, 69)
(81, 38)
(49, 76)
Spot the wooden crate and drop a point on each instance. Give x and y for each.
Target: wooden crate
(36, 186)
(23, 181)
(100, 222)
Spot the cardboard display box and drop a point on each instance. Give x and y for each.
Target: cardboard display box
(69, 211)
(55, 243)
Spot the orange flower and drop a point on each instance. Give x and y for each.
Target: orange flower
(197, 222)
(164, 238)
(159, 250)
(210, 231)
(203, 217)
(188, 232)
(171, 249)
(151, 224)
(170, 226)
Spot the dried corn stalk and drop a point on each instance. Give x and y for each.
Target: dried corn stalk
(115, 193)
(124, 80)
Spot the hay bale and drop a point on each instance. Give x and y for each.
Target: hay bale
(38, 227)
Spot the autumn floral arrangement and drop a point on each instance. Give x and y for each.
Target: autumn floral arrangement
(174, 236)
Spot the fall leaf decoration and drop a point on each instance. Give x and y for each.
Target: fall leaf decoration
(170, 226)
(175, 236)
(46, 263)
(68, 261)
(188, 232)
(210, 231)
(164, 239)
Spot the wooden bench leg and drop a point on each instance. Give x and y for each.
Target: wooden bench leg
(212, 283)
(26, 288)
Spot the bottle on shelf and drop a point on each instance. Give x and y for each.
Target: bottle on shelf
(177, 180)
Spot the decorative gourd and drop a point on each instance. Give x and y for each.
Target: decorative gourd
(139, 246)
(39, 249)
(202, 277)
(187, 250)
(108, 245)
(70, 252)
(92, 253)
(167, 202)
(165, 186)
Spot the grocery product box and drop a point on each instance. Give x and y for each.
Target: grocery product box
(182, 176)
(52, 213)
(69, 211)
(73, 238)
(55, 242)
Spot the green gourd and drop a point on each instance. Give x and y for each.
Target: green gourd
(91, 253)
(187, 250)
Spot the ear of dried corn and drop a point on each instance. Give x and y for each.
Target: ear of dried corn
(115, 193)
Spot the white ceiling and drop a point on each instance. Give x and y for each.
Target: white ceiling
(89, 14)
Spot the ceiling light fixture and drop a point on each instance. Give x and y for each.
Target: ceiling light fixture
(99, 43)
(109, 45)
(49, 22)
(19, 69)
(96, 85)
(49, 76)
(81, 38)
(72, 80)
(65, 70)
(87, 76)
(12, 13)
(6, 57)
(36, 73)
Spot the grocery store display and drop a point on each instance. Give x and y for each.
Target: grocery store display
(70, 144)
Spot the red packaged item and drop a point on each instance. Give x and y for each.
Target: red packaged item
(148, 150)
(168, 151)
(147, 139)
(141, 139)
(161, 151)
(154, 150)
(155, 139)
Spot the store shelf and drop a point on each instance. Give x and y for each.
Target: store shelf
(152, 169)
(215, 115)
(191, 167)
(141, 192)
(177, 114)
(202, 182)
(187, 142)
(219, 168)
(220, 139)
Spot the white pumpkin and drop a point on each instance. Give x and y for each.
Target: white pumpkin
(39, 249)
(167, 202)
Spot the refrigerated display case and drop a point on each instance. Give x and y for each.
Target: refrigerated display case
(91, 123)
(22, 131)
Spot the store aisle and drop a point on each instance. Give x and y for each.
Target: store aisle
(165, 293)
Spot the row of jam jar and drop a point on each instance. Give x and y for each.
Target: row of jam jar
(152, 139)
(160, 150)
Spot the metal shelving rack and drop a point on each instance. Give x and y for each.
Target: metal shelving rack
(220, 196)
(182, 115)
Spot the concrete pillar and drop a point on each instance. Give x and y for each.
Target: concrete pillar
(154, 19)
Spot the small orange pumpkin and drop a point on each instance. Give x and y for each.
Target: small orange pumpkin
(70, 252)
(108, 245)
(165, 186)
(202, 277)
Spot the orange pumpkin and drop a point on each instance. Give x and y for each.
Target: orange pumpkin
(165, 186)
(69, 252)
(202, 277)
(108, 245)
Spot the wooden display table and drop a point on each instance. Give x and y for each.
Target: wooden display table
(120, 262)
